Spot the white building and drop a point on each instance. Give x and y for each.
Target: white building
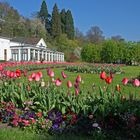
(28, 49)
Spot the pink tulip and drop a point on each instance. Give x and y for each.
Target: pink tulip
(111, 75)
(30, 78)
(8, 73)
(33, 120)
(12, 74)
(125, 81)
(25, 73)
(51, 73)
(48, 71)
(26, 122)
(15, 122)
(78, 79)
(53, 80)
(58, 82)
(69, 84)
(76, 85)
(1, 68)
(40, 74)
(33, 75)
(64, 75)
(76, 91)
(136, 83)
(37, 77)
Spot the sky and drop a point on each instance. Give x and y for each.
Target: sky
(114, 17)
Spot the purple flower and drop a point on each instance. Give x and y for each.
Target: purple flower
(55, 126)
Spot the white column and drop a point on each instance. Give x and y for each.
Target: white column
(57, 57)
(48, 55)
(52, 56)
(19, 55)
(29, 55)
(63, 58)
(33, 54)
(38, 56)
(60, 58)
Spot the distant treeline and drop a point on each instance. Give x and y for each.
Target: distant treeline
(58, 30)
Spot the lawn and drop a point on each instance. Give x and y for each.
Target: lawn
(16, 134)
(91, 82)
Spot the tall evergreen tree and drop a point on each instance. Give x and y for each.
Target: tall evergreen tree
(56, 22)
(63, 20)
(69, 25)
(45, 18)
(43, 13)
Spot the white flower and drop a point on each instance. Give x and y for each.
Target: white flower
(42, 84)
(95, 125)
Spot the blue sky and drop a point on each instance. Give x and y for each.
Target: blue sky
(114, 17)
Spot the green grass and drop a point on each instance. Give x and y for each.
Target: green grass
(16, 134)
(90, 79)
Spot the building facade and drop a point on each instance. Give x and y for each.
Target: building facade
(28, 49)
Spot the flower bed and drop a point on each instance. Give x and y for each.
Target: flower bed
(33, 65)
(44, 107)
(95, 69)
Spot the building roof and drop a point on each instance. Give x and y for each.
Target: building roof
(3, 37)
(32, 41)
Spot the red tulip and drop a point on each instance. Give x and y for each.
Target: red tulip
(40, 74)
(78, 79)
(64, 75)
(108, 80)
(125, 81)
(18, 73)
(103, 75)
(136, 83)
(69, 84)
(58, 82)
(1, 68)
(39, 114)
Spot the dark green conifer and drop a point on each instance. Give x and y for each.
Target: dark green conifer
(69, 25)
(56, 22)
